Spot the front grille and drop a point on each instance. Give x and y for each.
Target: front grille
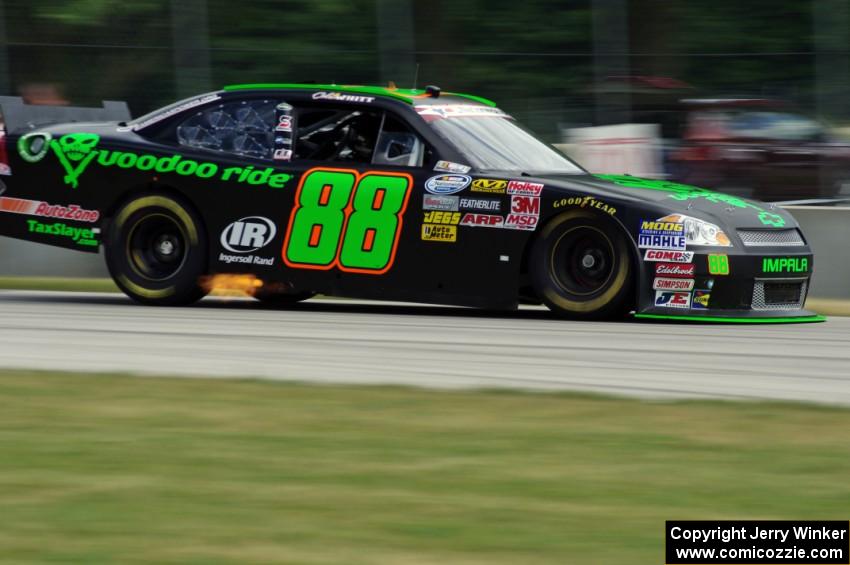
(771, 238)
(779, 294)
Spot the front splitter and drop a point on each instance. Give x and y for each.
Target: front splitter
(803, 318)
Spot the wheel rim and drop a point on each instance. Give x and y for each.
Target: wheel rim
(156, 247)
(583, 261)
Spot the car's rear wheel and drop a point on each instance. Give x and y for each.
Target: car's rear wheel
(156, 249)
(581, 266)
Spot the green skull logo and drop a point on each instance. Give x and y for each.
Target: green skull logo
(77, 148)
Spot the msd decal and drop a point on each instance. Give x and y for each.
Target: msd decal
(669, 256)
(676, 270)
(670, 299)
(524, 188)
(482, 220)
(521, 222)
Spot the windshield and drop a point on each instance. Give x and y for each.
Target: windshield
(492, 141)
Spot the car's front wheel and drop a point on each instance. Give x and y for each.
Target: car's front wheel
(155, 250)
(581, 266)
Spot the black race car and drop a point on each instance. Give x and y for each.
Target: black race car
(386, 193)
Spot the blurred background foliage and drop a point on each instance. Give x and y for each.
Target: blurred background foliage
(543, 60)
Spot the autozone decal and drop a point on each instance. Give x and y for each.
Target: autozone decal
(673, 284)
(482, 220)
(70, 212)
(524, 188)
(669, 256)
(675, 270)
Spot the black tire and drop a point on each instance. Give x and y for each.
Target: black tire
(156, 251)
(282, 299)
(581, 267)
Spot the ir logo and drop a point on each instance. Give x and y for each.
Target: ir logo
(248, 234)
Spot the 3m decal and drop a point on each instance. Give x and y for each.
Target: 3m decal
(672, 284)
(525, 205)
(70, 212)
(437, 217)
(81, 236)
(676, 270)
(346, 220)
(669, 256)
(718, 264)
(672, 299)
(244, 236)
(440, 202)
(447, 184)
(700, 299)
(785, 265)
(524, 188)
(482, 220)
(449, 167)
(77, 151)
(436, 232)
(493, 186)
(684, 192)
(585, 202)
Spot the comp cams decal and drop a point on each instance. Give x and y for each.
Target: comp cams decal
(71, 212)
(669, 256)
(76, 151)
(245, 236)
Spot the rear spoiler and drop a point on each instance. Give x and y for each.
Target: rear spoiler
(19, 115)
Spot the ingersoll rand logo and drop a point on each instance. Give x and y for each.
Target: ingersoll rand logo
(248, 234)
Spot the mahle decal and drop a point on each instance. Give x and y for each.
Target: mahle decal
(76, 151)
(785, 265)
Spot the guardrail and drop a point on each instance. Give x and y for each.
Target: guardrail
(827, 230)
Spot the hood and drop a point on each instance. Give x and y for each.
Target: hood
(693, 201)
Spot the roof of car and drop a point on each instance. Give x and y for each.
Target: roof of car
(409, 95)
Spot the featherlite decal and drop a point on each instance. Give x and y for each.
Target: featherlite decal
(77, 151)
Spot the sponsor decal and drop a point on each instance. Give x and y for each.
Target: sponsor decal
(672, 299)
(449, 167)
(525, 205)
(33, 147)
(493, 186)
(675, 270)
(521, 222)
(81, 236)
(284, 123)
(340, 97)
(437, 111)
(282, 154)
(669, 256)
(700, 299)
(76, 151)
(524, 188)
(244, 237)
(785, 265)
(438, 217)
(671, 242)
(485, 204)
(447, 184)
(585, 202)
(661, 228)
(176, 110)
(718, 264)
(435, 232)
(672, 284)
(38, 208)
(482, 220)
(439, 202)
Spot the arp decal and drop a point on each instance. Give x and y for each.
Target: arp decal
(71, 212)
(346, 220)
(482, 220)
(669, 256)
(672, 299)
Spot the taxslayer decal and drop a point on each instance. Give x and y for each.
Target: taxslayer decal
(684, 192)
(77, 151)
(81, 236)
(667, 255)
(585, 202)
(40, 208)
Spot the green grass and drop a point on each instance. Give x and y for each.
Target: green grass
(58, 283)
(97, 469)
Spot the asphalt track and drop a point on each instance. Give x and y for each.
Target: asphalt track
(365, 342)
